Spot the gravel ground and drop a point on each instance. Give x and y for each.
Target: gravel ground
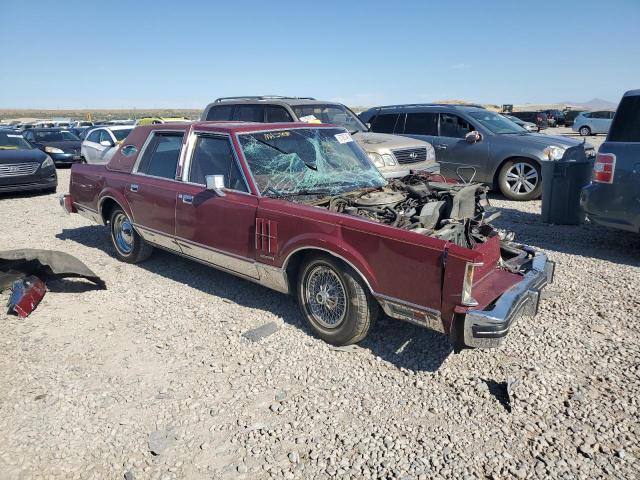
(153, 378)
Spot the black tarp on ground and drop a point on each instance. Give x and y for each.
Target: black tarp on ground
(44, 264)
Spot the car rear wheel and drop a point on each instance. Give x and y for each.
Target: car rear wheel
(334, 301)
(129, 245)
(585, 131)
(520, 180)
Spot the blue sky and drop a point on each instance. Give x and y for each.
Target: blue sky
(169, 54)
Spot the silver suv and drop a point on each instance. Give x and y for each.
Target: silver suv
(393, 155)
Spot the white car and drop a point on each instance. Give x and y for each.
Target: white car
(591, 123)
(101, 143)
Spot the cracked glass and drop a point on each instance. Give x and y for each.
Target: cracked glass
(308, 161)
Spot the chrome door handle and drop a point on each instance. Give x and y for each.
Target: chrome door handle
(134, 187)
(187, 198)
(441, 146)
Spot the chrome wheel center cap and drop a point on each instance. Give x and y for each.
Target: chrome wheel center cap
(323, 297)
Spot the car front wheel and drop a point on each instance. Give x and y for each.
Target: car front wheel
(129, 245)
(585, 131)
(334, 301)
(520, 180)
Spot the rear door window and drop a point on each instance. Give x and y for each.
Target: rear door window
(384, 123)
(213, 156)
(278, 114)
(221, 112)
(161, 156)
(626, 123)
(249, 113)
(423, 123)
(453, 126)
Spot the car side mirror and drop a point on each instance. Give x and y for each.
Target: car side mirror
(473, 137)
(106, 143)
(215, 183)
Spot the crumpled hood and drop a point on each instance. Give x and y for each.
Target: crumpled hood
(22, 156)
(543, 141)
(374, 142)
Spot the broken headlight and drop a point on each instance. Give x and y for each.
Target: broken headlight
(553, 152)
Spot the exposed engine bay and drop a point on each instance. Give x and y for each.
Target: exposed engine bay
(455, 212)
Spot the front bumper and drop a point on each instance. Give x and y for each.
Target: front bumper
(26, 184)
(488, 328)
(65, 158)
(402, 170)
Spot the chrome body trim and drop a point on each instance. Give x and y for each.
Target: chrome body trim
(410, 312)
(488, 328)
(218, 258)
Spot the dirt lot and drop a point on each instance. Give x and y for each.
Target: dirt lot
(95, 380)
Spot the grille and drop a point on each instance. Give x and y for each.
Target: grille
(411, 155)
(18, 169)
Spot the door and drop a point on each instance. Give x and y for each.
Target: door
(420, 125)
(217, 229)
(153, 189)
(600, 122)
(90, 146)
(458, 158)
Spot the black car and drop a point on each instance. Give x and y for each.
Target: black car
(539, 118)
(23, 167)
(62, 145)
(570, 117)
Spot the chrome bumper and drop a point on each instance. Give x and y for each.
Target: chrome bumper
(488, 328)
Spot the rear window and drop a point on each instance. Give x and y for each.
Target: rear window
(223, 112)
(249, 113)
(384, 123)
(626, 123)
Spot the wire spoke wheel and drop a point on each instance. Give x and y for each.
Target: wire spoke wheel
(522, 178)
(326, 297)
(123, 233)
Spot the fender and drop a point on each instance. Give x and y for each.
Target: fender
(333, 246)
(117, 196)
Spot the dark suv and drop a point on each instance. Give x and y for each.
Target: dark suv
(476, 144)
(393, 155)
(539, 118)
(613, 197)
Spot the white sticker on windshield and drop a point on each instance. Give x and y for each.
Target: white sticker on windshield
(343, 137)
(308, 119)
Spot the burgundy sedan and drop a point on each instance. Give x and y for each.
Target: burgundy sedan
(301, 209)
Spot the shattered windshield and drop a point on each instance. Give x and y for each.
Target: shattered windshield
(335, 114)
(308, 161)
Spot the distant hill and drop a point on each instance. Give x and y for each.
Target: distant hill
(594, 104)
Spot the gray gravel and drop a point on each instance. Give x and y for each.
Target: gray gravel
(94, 380)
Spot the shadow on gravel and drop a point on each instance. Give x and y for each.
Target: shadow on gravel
(586, 240)
(402, 344)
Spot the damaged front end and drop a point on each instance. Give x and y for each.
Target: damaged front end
(453, 212)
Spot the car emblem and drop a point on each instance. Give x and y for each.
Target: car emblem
(413, 155)
(13, 169)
